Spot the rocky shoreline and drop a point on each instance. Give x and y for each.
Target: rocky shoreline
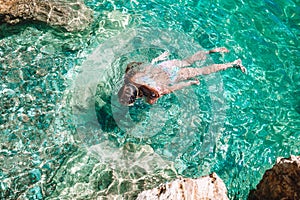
(282, 181)
(206, 187)
(71, 15)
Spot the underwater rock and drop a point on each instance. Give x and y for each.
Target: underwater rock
(206, 187)
(106, 171)
(280, 182)
(72, 15)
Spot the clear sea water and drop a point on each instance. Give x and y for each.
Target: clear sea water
(64, 136)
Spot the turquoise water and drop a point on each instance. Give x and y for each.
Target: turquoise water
(63, 134)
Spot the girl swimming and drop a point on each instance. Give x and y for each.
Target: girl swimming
(157, 79)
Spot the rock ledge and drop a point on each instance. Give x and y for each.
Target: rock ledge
(280, 182)
(72, 15)
(206, 187)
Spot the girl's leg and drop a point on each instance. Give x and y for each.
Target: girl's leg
(200, 55)
(187, 73)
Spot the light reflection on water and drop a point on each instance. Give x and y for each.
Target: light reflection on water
(43, 152)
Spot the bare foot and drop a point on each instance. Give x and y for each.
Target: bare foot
(238, 64)
(219, 50)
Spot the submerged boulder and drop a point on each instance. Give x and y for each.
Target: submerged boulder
(280, 182)
(106, 171)
(72, 15)
(206, 187)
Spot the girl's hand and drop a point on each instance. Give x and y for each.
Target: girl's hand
(161, 57)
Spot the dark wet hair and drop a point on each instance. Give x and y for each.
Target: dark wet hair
(145, 91)
(128, 94)
(132, 65)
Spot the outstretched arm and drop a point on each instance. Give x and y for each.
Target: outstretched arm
(161, 57)
(180, 85)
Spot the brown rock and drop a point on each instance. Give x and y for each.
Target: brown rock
(280, 182)
(72, 15)
(207, 187)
